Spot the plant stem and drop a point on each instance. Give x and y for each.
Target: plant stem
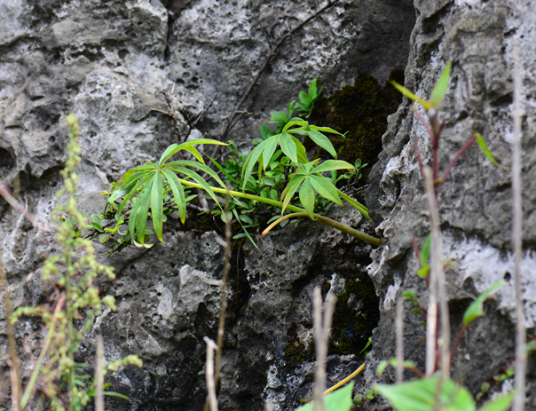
(343, 382)
(46, 346)
(517, 238)
(99, 376)
(457, 342)
(223, 311)
(332, 223)
(438, 277)
(341, 227)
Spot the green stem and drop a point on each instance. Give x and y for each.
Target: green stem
(300, 212)
(332, 223)
(356, 204)
(46, 346)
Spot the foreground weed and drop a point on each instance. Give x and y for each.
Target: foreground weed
(73, 306)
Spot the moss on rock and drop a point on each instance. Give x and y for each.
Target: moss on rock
(356, 315)
(360, 112)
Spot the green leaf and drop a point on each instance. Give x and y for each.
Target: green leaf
(313, 89)
(288, 147)
(307, 197)
(265, 132)
(500, 404)
(157, 209)
(252, 160)
(178, 193)
(244, 229)
(325, 188)
(174, 148)
(441, 86)
(484, 147)
(339, 400)
(116, 394)
(290, 189)
(104, 238)
(412, 96)
(192, 174)
(476, 309)
(142, 211)
(419, 395)
(425, 252)
(330, 165)
(320, 140)
(269, 150)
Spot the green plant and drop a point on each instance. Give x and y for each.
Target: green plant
(154, 190)
(73, 306)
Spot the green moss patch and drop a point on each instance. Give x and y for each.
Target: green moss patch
(360, 112)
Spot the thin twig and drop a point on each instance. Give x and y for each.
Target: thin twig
(211, 381)
(453, 161)
(99, 375)
(431, 321)
(225, 278)
(273, 51)
(400, 340)
(200, 116)
(438, 277)
(14, 373)
(321, 333)
(517, 237)
(12, 201)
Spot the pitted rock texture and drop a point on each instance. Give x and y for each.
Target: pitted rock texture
(475, 203)
(109, 62)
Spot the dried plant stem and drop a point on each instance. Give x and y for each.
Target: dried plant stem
(400, 340)
(232, 119)
(321, 333)
(438, 278)
(99, 375)
(221, 323)
(12, 201)
(343, 382)
(517, 241)
(14, 373)
(211, 380)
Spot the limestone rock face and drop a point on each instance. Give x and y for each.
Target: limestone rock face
(109, 62)
(475, 202)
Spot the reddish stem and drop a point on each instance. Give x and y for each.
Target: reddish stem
(453, 161)
(457, 342)
(416, 247)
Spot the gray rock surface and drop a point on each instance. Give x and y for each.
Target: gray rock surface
(475, 203)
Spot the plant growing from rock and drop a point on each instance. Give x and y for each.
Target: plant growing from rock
(72, 307)
(157, 189)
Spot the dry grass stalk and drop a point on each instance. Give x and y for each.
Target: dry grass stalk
(211, 380)
(321, 332)
(517, 240)
(99, 376)
(437, 281)
(221, 323)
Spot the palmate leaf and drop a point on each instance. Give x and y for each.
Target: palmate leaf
(157, 205)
